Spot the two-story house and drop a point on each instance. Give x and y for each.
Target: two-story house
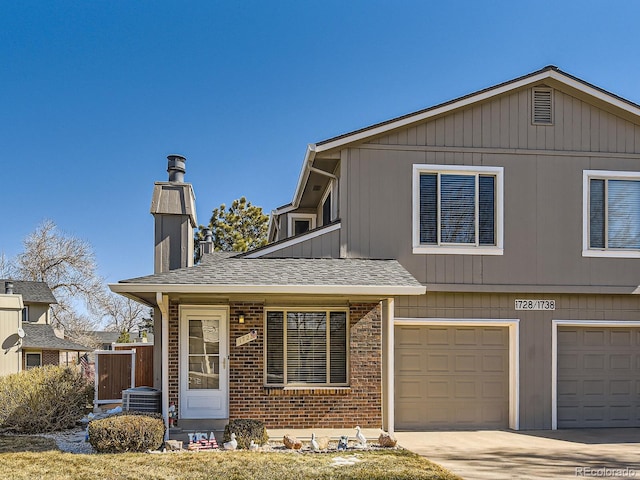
(471, 265)
(28, 338)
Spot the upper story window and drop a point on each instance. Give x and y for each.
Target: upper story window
(25, 313)
(457, 209)
(611, 214)
(326, 208)
(300, 223)
(306, 347)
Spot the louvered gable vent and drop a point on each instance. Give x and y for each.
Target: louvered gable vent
(542, 106)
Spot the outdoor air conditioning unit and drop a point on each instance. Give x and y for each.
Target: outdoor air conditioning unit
(142, 399)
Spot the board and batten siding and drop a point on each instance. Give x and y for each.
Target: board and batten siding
(323, 246)
(535, 332)
(506, 123)
(543, 191)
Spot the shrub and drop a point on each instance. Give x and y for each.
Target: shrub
(127, 432)
(44, 399)
(246, 430)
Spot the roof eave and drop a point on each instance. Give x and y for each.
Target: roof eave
(342, 290)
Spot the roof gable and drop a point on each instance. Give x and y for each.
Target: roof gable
(32, 292)
(550, 75)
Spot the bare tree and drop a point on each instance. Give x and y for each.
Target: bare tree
(123, 314)
(67, 264)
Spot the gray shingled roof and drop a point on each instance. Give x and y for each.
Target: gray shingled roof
(41, 335)
(224, 269)
(32, 292)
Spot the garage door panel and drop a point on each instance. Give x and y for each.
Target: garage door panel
(437, 363)
(464, 380)
(598, 379)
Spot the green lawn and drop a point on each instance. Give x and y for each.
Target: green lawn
(36, 457)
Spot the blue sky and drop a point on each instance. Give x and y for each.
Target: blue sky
(95, 94)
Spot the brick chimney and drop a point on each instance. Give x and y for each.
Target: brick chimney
(173, 207)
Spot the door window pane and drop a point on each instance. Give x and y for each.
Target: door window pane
(204, 354)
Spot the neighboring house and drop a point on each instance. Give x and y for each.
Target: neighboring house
(29, 339)
(474, 265)
(106, 339)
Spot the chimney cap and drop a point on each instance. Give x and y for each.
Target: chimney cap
(176, 168)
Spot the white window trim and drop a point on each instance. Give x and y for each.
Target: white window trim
(604, 175)
(26, 314)
(330, 190)
(421, 249)
(514, 351)
(300, 216)
(293, 386)
(554, 353)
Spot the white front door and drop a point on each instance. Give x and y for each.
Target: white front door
(203, 362)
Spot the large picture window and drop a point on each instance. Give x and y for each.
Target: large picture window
(306, 347)
(612, 213)
(457, 209)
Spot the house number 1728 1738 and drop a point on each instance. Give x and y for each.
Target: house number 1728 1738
(535, 305)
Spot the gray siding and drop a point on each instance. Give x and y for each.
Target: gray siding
(323, 246)
(506, 123)
(535, 332)
(543, 185)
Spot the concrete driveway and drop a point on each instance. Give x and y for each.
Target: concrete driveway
(495, 455)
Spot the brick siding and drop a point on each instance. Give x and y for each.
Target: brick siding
(360, 403)
(50, 357)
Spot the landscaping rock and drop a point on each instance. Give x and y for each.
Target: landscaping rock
(173, 445)
(386, 440)
(323, 443)
(292, 442)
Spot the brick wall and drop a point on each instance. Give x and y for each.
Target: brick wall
(320, 408)
(50, 357)
(174, 354)
(359, 404)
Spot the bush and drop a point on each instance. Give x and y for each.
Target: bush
(44, 399)
(127, 432)
(246, 430)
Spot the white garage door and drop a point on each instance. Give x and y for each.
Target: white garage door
(598, 377)
(450, 377)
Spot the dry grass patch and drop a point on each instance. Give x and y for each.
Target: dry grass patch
(389, 464)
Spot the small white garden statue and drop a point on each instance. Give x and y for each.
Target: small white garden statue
(361, 438)
(314, 443)
(231, 445)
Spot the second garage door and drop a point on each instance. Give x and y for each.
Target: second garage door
(598, 377)
(451, 377)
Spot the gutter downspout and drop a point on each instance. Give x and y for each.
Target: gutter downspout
(163, 305)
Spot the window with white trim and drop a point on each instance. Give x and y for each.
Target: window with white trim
(33, 360)
(457, 209)
(300, 223)
(25, 313)
(306, 347)
(611, 216)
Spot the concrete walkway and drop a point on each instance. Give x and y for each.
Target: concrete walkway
(496, 455)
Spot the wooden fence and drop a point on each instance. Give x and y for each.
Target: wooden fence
(122, 368)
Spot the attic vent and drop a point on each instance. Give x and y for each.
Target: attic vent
(542, 106)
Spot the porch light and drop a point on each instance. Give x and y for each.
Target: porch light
(241, 317)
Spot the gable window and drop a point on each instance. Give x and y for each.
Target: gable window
(33, 360)
(300, 223)
(457, 209)
(611, 213)
(306, 347)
